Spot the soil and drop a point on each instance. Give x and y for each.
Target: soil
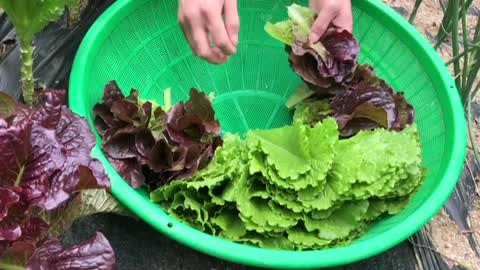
(429, 18)
(451, 243)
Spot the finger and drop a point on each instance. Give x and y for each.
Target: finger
(314, 5)
(197, 36)
(321, 24)
(344, 20)
(217, 29)
(212, 54)
(219, 55)
(216, 51)
(201, 46)
(191, 26)
(232, 20)
(187, 33)
(210, 40)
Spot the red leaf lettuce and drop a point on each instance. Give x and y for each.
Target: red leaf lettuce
(323, 65)
(93, 254)
(369, 104)
(45, 152)
(326, 64)
(357, 98)
(44, 160)
(140, 139)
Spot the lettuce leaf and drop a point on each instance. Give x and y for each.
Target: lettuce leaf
(366, 103)
(301, 19)
(323, 65)
(250, 193)
(358, 173)
(140, 138)
(293, 157)
(302, 93)
(45, 162)
(346, 161)
(193, 121)
(329, 69)
(203, 197)
(370, 104)
(93, 254)
(281, 31)
(311, 112)
(45, 151)
(230, 224)
(285, 149)
(7, 105)
(329, 62)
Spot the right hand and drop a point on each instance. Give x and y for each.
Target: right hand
(337, 13)
(202, 24)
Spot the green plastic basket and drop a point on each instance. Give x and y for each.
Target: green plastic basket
(139, 44)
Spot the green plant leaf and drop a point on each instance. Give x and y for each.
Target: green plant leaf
(230, 223)
(302, 238)
(340, 223)
(7, 105)
(249, 193)
(17, 256)
(303, 92)
(31, 16)
(302, 19)
(285, 149)
(281, 31)
(85, 203)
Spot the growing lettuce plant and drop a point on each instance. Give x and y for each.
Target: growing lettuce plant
(30, 17)
(47, 176)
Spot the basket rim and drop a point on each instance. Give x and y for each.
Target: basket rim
(239, 253)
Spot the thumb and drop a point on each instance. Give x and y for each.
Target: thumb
(321, 24)
(232, 20)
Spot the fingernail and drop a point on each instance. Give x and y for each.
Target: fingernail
(314, 37)
(235, 40)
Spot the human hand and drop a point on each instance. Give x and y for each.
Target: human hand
(202, 24)
(331, 12)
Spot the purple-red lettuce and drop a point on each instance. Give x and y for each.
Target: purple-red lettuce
(95, 254)
(192, 122)
(118, 111)
(369, 104)
(324, 65)
(45, 152)
(120, 120)
(44, 161)
(335, 84)
(366, 103)
(327, 64)
(141, 139)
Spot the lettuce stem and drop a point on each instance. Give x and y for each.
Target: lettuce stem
(26, 51)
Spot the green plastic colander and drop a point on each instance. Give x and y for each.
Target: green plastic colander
(139, 44)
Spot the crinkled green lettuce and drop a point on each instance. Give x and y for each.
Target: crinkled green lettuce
(299, 187)
(293, 157)
(298, 26)
(311, 111)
